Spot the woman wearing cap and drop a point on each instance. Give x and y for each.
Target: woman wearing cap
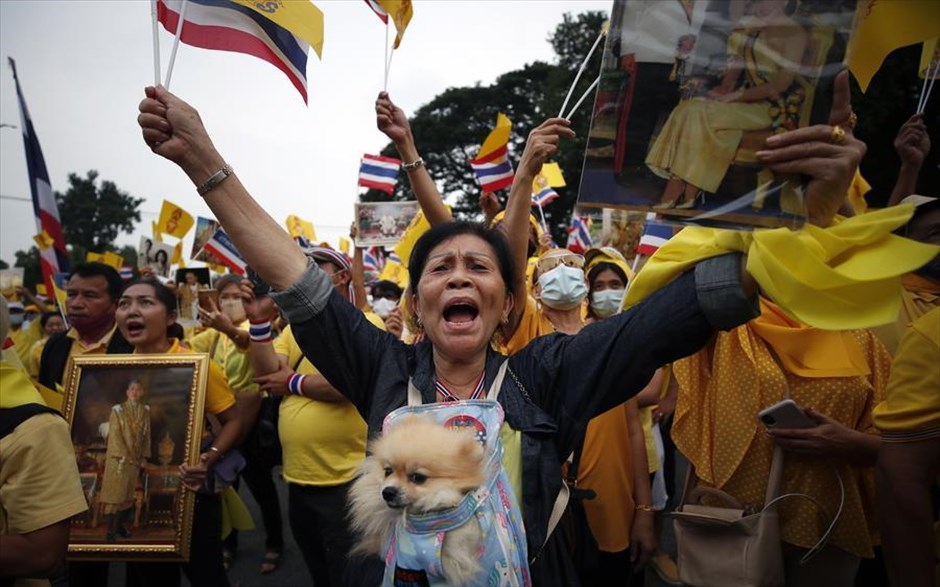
(463, 284)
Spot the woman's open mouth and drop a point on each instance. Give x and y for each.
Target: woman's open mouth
(134, 327)
(461, 311)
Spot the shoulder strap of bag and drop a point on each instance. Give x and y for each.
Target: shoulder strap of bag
(10, 418)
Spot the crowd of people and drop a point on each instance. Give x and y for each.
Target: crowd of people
(597, 369)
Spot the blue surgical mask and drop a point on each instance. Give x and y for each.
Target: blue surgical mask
(562, 288)
(607, 302)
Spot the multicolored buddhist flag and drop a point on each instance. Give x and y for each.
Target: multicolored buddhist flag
(881, 26)
(401, 12)
(53, 258)
(381, 173)
(173, 220)
(222, 25)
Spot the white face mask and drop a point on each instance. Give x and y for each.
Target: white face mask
(383, 307)
(606, 303)
(17, 319)
(233, 309)
(563, 287)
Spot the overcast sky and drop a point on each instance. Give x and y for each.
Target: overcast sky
(83, 65)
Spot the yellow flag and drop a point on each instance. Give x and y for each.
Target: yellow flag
(394, 272)
(881, 26)
(929, 55)
(59, 294)
(419, 225)
(498, 137)
(297, 226)
(400, 12)
(157, 235)
(174, 220)
(178, 255)
(43, 240)
(41, 289)
(552, 174)
(91, 257)
(112, 260)
(298, 17)
(344, 245)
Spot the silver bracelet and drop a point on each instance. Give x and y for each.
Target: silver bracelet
(413, 165)
(215, 450)
(215, 179)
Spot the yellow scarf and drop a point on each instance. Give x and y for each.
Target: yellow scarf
(15, 387)
(807, 351)
(843, 277)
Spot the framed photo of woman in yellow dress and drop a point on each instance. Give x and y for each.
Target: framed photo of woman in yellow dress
(134, 420)
(689, 92)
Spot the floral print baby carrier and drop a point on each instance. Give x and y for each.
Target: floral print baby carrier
(413, 554)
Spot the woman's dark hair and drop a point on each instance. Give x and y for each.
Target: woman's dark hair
(448, 230)
(227, 280)
(163, 294)
(386, 288)
(156, 256)
(600, 268)
(110, 274)
(45, 318)
(176, 331)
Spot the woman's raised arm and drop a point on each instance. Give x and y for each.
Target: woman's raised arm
(172, 129)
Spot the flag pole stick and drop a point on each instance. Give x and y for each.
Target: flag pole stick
(583, 98)
(930, 76)
(581, 69)
(385, 61)
(156, 43)
(176, 44)
(388, 66)
(542, 214)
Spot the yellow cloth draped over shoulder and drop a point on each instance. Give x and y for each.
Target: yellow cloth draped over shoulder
(843, 277)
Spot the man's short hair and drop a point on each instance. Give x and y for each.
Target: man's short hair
(94, 269)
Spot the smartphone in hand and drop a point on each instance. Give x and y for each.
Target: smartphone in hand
(785, 414)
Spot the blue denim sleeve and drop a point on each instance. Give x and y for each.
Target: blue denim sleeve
(306, 297)
(720, 293)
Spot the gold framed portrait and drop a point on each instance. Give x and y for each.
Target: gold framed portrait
(133, 420)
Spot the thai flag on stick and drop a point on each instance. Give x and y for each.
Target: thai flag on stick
(655, 235)
(379, 172)
(225, 25)
(494, 172)
(54, 259)
(579, 236)
(220, 245)
(127, 272)
(546, 195)
(373, 260)
(378, 10)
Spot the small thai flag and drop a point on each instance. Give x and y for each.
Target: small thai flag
(127, 272)
(379, 172)
(372, 260)
(222, 247)
(393, 258)
(493, 171)
(655, 235)
(579, 236)
(378, 10)
(546, 195)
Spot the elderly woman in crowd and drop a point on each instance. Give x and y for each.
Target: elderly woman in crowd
(462, 283)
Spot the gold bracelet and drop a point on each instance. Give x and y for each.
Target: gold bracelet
(644, 508)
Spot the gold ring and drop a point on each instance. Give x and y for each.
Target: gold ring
(853, 120)
(837, 135)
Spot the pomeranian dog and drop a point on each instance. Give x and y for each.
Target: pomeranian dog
(418, 467)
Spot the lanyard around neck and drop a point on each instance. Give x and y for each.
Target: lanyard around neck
(448, 396)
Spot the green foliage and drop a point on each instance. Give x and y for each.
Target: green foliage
(32, 269)
(93, 216)
(4, 264)
(450, 129)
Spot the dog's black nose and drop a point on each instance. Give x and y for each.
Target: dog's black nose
(389, 494)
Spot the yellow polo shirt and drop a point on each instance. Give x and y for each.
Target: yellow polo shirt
(322, 442)
(98, 347)
(25, 338)
(234, 361)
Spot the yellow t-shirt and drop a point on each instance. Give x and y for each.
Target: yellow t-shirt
(98, 347)
(234, 361)
(39, 483)
(322, 442)
(35, 355)
(532, 325)
(25, 338)
(911, 409)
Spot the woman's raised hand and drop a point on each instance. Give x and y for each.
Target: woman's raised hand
(828, 154)
(172, 129)
(391, 119)
(543, 143)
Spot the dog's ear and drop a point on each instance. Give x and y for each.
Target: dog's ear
(469, 447)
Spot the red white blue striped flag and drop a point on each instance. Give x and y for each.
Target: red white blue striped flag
(379, 172)
(220, 245)
(53, 259)
(545, 195)
(226, 26)
(655, 235)
(373, 260)
(494, 172)
(378, 10)
(579, 236)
